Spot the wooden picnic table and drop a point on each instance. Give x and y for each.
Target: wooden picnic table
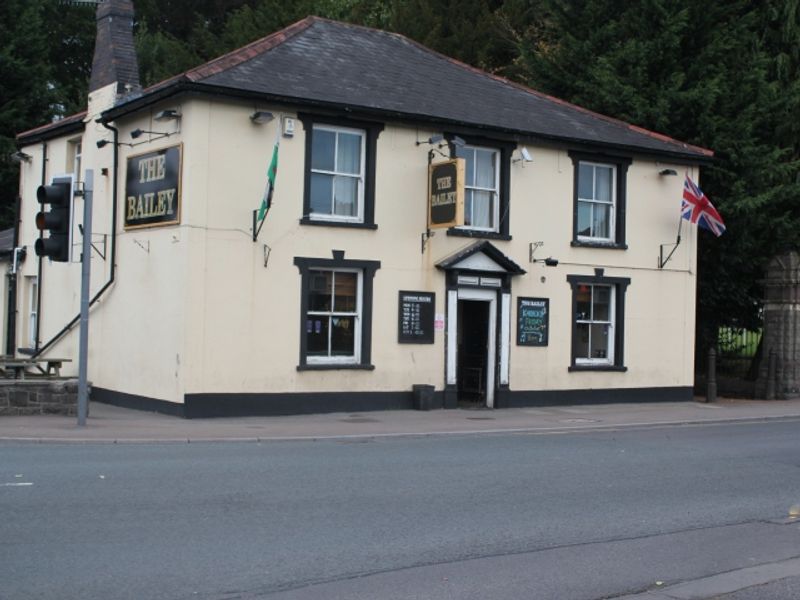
(18, 367)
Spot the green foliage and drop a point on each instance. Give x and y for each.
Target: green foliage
(723, 74)
(719, 74)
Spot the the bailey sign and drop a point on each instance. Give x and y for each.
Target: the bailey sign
(446, 201)
(152, 188)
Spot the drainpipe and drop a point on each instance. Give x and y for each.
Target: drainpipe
(16, 258)
(112, 254)
(40, 270)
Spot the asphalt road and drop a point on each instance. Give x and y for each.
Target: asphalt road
(570, 516)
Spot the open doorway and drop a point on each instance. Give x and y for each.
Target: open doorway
(473, 352)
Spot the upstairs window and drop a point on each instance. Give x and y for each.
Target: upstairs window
(599, 198)
(481, 187)
(339, 188)
(337, 173)
(596, 201)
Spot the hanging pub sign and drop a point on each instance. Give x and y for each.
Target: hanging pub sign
(446, 195)
(153, 188)
(533, 320)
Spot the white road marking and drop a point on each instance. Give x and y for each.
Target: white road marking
(15, 484)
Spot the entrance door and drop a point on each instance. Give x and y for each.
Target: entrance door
(472, 344)
(473, 351)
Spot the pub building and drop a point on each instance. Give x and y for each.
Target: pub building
(428, 224)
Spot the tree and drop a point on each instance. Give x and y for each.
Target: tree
(706, 74)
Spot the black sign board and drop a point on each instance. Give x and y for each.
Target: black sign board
(415, 317)
(533, 320)
(153, 188)
(446, 202)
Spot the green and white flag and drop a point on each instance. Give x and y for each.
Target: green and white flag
(266, 201)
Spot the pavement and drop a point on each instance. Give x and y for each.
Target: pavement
(111, 424)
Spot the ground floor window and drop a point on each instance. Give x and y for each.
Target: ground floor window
(598, 309)
(335, 312)
(333, 319)
(33, 309)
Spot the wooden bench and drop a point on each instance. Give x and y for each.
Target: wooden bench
(18, 367)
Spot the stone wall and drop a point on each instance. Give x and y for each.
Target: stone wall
(38, 397)
(782, 325)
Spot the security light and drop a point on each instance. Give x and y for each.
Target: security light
(668, 172)
(167, 115)
(261, 116)
(20, 156)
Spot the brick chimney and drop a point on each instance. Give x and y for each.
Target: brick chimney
(114, 51)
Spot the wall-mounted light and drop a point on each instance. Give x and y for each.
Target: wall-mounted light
(457, 141)
(170, 114)
(667, 172)
(20, 156)
(137, 133)
(548, 262)
(525, 156)
(433, 140)
(104, 143)
(261, 116)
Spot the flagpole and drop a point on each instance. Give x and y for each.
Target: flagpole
(268, 193)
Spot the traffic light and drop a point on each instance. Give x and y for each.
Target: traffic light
(56, 221)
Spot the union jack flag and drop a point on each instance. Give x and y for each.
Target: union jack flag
(697, 208)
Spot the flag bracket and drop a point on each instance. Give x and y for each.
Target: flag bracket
(663, 261)
(256, 225)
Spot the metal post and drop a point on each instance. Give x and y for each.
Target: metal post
(711, 391)
(86, 262)
(772, 368)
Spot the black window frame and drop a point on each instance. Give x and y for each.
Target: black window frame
(505, 150)
(621, 285)
(621, 164)
(367, 268)
(372, 130)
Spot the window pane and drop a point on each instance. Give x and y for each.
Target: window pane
(601, 226)
(603, 184)
(582, 341)
(348, 158)
(585, 181)
(317, 335)
(319, 290)
(323, 144)
(345, 296)
(343, 336)
(583, 298)
(484, 168)
(584, 218)
(468, 207)
(602, 303)
(321, 193)
(599, 340)
(345, 201)
(482, 209)
(468, 154)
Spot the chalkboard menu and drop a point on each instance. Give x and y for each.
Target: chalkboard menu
(533, 320)
(415, 317)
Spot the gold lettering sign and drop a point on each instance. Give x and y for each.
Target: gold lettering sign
(446, 199)
(153, 188)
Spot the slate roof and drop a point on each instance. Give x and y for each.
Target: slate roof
(6, 242)
(327, 63)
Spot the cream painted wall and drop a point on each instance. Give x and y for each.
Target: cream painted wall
(246, 320)
(195, 309)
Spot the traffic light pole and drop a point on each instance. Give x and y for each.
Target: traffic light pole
(86, 263)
